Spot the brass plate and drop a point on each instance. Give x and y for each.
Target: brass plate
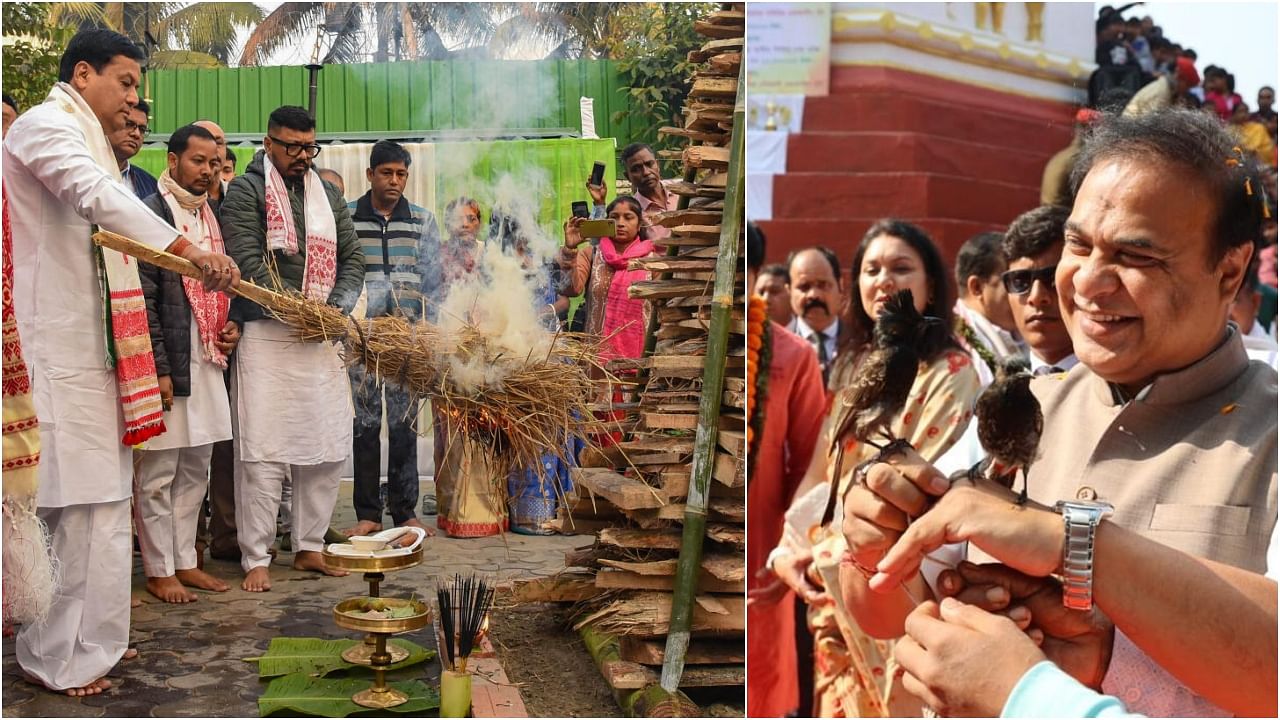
(373, 699)
(390, 625)
(360, 654)
(374, 564)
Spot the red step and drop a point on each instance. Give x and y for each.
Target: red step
(858, 152)
(894, 112)
(899, 194)
(843, 236)
(852, 79)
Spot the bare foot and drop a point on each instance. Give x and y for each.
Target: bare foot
(364, 527)
(198, 578)
(415, 522)
(312, 560)
(135, 601)
(169, 590)
(257, 580)
(129, 654)
(93, 688)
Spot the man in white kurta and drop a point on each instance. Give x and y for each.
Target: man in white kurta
(191, 337)
(60, 178)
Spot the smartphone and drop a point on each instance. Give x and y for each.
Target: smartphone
(597, 173)
(598, 228)
(579, 209)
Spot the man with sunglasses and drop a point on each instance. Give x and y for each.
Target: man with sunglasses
(126, 143)
(290, 400)
(1032, 246)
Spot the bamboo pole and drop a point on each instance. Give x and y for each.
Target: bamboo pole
(695, 514)
(182, 266)
(648, 701)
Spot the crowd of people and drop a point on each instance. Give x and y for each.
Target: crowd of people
(1140, 298)
(1141, 70)
(192, 415)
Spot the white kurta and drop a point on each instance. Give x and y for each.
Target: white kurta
(292, 399)
(205, 416)
(55, 192)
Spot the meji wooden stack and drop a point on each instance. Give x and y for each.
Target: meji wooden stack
(632, 497)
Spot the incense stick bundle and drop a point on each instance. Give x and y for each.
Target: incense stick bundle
(472, 599)
(529, 408)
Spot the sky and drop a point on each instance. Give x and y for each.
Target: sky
(1238, 36)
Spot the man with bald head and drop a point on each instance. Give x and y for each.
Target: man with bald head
(217, 188)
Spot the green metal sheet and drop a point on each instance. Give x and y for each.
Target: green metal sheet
(418, 95)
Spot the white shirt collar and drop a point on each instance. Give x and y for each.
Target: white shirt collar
(801, 328)
(1065, 363)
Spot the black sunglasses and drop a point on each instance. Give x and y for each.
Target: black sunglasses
(1020, 282)
(292, 149)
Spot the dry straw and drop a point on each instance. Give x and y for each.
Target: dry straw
(527, 411)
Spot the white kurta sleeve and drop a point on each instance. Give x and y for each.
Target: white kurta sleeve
(56, 155)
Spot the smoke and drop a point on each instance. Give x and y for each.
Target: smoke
(506, 294)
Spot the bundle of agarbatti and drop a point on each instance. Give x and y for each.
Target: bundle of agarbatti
(464, 613)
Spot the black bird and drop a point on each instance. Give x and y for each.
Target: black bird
(1009, 426)
(880, 388)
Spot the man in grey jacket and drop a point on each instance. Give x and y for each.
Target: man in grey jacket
(290, 400)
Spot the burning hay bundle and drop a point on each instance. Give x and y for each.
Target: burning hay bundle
(521, 409)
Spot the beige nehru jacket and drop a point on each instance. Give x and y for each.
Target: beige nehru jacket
(1190, 462)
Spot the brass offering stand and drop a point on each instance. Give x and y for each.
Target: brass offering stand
(375, 652)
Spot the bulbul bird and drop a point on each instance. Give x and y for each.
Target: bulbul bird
(1009, 426)
(880, 388)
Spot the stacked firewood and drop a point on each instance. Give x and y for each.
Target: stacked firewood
(632, 497)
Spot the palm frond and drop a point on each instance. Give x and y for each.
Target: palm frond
(78, 14)
(209, 27)
(287, 23)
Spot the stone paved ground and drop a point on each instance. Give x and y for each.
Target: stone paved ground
(190, 662)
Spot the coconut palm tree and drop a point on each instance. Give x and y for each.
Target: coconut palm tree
(175, 29)
(382, 31)
(578, 29)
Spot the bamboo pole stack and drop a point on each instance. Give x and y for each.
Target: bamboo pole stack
(684, 466)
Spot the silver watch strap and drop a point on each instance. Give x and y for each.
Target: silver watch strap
(1080, 523)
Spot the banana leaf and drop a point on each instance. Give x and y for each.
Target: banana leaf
(323, 697)
(319, 657)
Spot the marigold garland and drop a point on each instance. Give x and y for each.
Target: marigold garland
(759, 354)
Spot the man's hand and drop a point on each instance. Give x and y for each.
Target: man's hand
(877, 511)
(961, 660)
(220, 271)
(228, 337)
(792, 573)
(1078, 642)
(597, 192)
(1027, 537)
(166, 391)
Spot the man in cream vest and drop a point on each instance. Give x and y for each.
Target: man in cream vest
(1164, 434)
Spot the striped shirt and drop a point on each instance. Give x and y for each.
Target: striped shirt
(395, 254)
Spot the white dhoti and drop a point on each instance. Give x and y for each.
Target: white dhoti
(87, 630)
(315, 491)
(173, 470)
(293, 412)
(169, 490)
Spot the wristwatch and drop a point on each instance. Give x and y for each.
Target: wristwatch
(1080, 520)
